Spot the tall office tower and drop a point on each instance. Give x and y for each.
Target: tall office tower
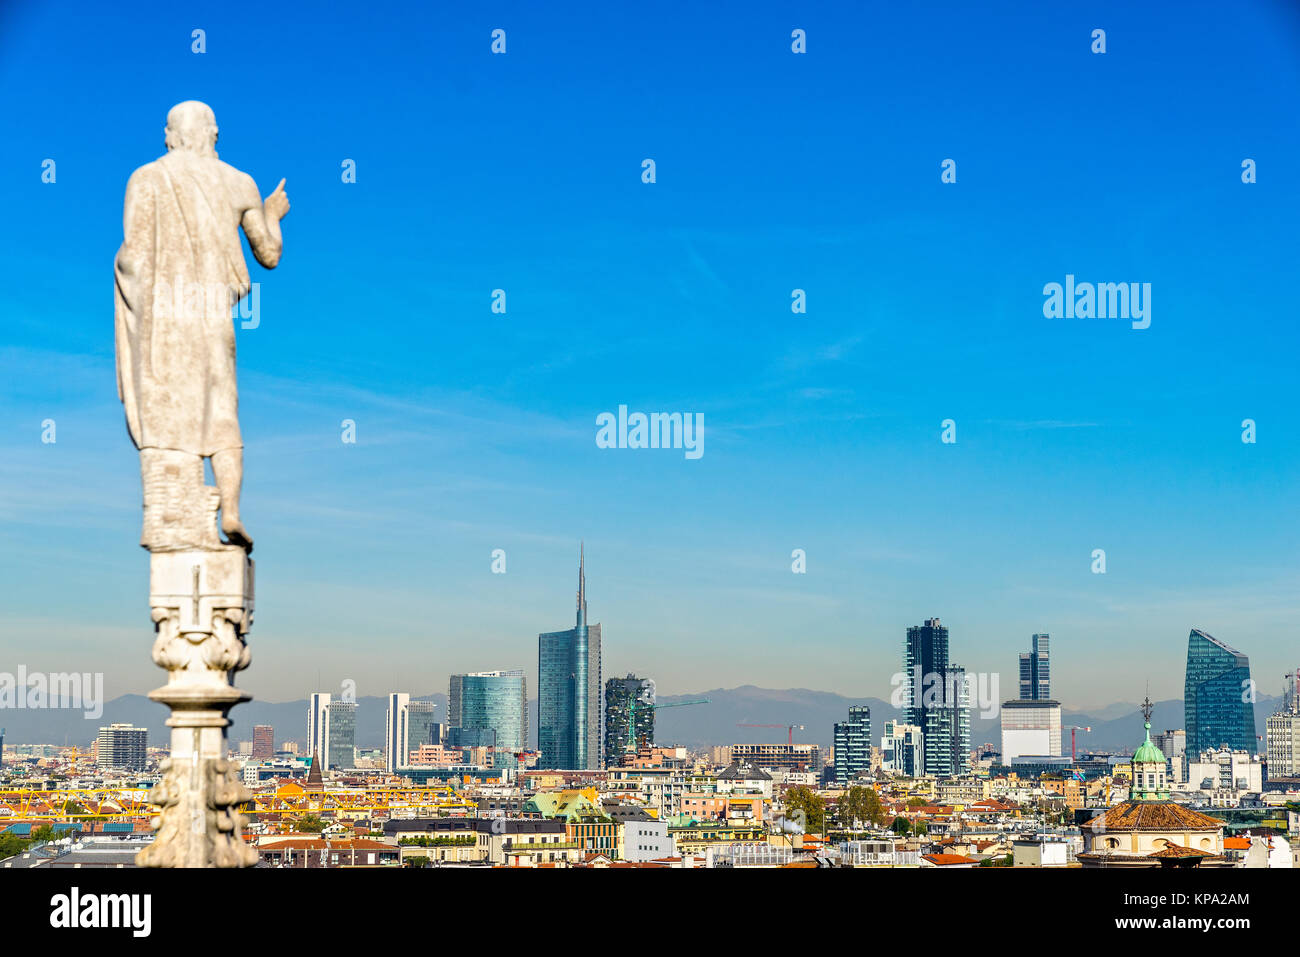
(937, 699)
(263, 742)
(122, 746)
(960, 720)
(422, 727)
(629, 717)
(318, 726)
(853, 744)
(1030, 727)
(1217, 702)
(569, 690)
(902, 749)
(1035, 670)
(489, 709)
(1173, 745)
(341, 735)
(1283, 733)
(407, 725)
(396, 753)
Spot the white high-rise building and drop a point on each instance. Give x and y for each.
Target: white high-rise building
(1223, 770)
(1173, 745)
(318, 727)
(397, 732)
(407, 725)
(1030, 727)
(902, 749)
(1283, 733)
(122, 746)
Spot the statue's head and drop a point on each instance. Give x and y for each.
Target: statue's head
(192, 126)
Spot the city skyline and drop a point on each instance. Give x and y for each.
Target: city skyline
(476, 431)
(878, 687)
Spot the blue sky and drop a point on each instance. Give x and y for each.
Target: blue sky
(775, 171)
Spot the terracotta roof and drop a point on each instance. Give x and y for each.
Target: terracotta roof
(319, 844)
(946, 859)
(1174, 850)
(1152, 816)
(992, 806)
(1112, 855)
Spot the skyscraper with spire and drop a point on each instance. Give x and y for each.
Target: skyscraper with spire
(569, 707)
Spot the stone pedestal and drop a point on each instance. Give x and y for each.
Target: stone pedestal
(202, 606)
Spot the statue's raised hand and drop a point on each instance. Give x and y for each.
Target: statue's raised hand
(277, 204)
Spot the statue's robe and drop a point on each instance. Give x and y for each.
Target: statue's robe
(179, 271)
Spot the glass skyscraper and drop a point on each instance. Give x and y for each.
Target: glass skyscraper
(489, 708)
(569, 690)
(1218, 700)
(1035, 671)
(853, 744)
(422, 725)
(937, 699)
(340, 735)
(629, 717)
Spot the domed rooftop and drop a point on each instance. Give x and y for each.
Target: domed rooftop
(1147, 752)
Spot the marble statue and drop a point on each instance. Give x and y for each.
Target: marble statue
(178, 275)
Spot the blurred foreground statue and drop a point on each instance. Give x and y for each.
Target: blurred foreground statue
(179, 273)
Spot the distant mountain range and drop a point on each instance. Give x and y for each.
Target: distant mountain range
(289, 718)
(1115, 727)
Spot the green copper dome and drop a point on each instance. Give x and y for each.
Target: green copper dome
(1147, 752)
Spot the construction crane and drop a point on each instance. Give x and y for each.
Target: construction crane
(789, 728)
(652, 707)
(1073, 728)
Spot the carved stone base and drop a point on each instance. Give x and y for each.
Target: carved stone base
(180, 511)
(202, 606)
(198, 825)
